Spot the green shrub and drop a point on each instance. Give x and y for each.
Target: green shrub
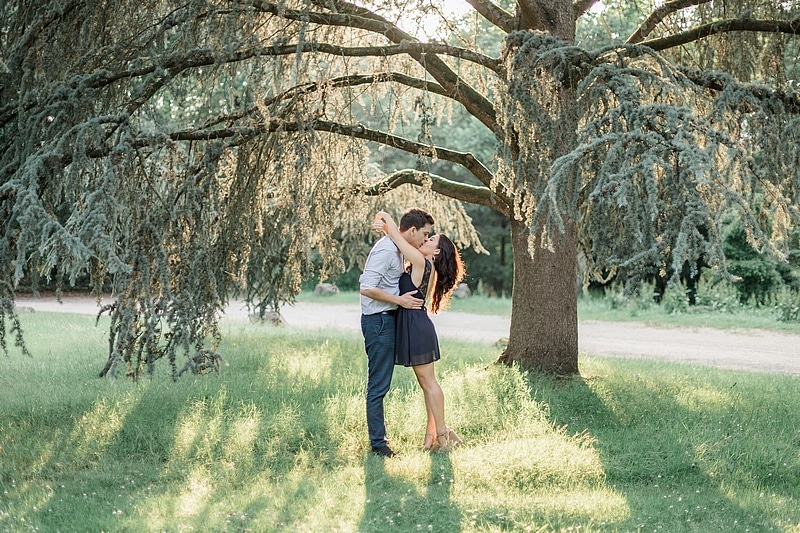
(717, 294)
(787, 305)
(757, 279)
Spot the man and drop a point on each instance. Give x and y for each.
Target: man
(380, 296)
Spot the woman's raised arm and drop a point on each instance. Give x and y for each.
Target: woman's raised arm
(383, 221)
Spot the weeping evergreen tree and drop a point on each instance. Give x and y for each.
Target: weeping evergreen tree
(189, 153)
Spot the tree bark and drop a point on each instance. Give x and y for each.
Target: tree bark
(544, 309)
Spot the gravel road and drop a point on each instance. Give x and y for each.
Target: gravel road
(744, 349)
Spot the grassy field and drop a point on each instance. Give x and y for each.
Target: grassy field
(278, 443)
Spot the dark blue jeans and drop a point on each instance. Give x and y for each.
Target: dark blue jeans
(378, 333)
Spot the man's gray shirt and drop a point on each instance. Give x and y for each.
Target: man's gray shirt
(382, 270)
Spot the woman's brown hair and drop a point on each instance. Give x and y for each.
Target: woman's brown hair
(449, 273)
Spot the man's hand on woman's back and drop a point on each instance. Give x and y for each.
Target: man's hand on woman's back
(408, 301)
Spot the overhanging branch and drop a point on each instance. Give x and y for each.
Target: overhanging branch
(202, 57)
(34, 29)
(389, 50)
(361, 79)
(238, 135)
(459, 191)
(342, 81)
(177, 63)
(659, 14)
(718, 82)
(350, 15)
(494, 14)
(465, 159)
(244, 133)
(791, 27)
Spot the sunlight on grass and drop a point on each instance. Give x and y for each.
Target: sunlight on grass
(494, 399)
(244, 431)
(196, 430)
(338, 502)
(598, 509)
(346, 425)
(602, 505)
(98, 427)
(530, 464)
(309, 367)
(195, 493)
(212, 432)
(535, 478)
(701, 398)
(278, 443)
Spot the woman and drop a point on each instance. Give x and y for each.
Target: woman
(434, 270)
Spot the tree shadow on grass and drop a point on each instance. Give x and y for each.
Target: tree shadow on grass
(206, 453)
(394, 503)
(144, 473)
(652, 454)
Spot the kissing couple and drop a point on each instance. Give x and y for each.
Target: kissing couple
(405, 269)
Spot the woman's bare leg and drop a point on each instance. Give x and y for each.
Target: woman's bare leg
(434, 402)
(430, 442)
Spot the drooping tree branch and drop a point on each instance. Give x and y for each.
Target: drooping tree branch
(714, 81)
(349, 15)
(494, 14)
(196, 58)
(239, 135)
(204, 56)
(33, 31)
(718, 82)
(481, 195)
(342, 81)
(391, 50)
(361, 79)
(658, 15)
(333, 18)
(791, 27)
(459, 191)
(465, 159)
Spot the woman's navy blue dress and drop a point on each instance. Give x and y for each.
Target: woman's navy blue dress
(416, 342)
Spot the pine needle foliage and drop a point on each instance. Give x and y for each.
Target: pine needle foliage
(141, 149)
(189, 153)
(659, 159)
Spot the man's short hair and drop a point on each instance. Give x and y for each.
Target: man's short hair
(415, 218)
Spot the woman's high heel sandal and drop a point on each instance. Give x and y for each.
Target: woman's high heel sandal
(454, 439)
(448, 440)
(431, 443)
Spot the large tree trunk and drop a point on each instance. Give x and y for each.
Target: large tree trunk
(544, 312)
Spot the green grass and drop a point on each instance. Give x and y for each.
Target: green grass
(278, 443)
(745, 317)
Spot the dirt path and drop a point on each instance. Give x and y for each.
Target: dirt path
(754, 350)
